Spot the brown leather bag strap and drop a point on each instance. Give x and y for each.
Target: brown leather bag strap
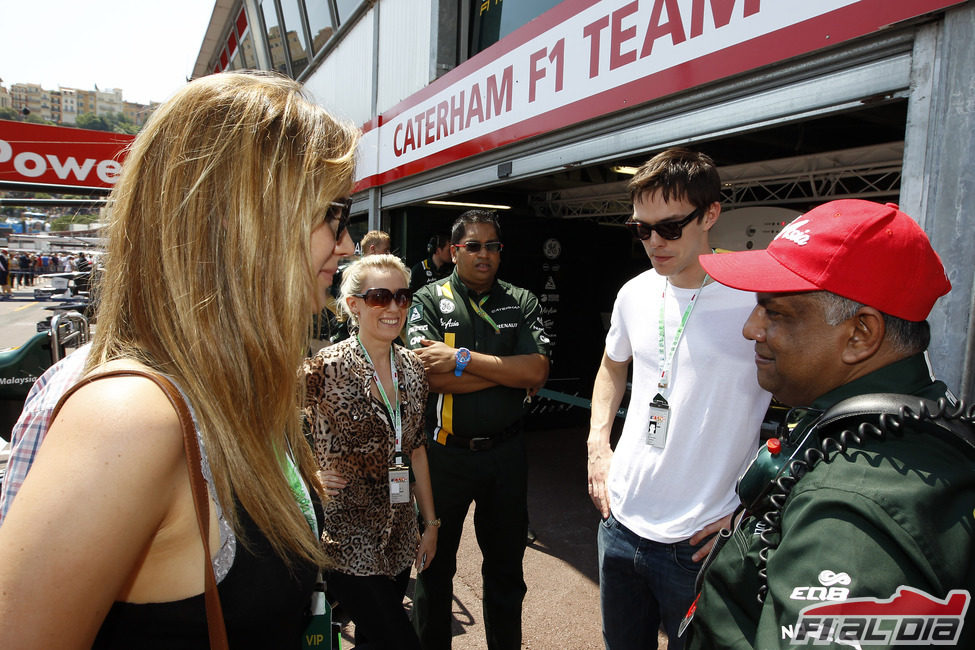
(215, 623)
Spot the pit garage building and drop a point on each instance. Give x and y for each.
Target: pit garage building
(542, 108)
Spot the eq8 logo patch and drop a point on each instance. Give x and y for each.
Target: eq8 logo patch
(909, 617)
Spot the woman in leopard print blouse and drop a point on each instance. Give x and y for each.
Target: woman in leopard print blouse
(357, 391)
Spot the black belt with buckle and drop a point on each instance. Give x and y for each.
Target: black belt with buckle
(485, 442)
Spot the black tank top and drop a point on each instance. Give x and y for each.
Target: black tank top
(265, 604)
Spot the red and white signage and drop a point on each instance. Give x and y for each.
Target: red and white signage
(585, 58)
(61, 156)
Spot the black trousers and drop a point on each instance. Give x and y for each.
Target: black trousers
(496, 481)
(375, 605)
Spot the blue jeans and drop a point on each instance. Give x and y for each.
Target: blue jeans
(641, 583)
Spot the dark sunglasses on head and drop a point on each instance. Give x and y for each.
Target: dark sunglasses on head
(382, 297)
(671, 230)
(338, 213)
(475, 246)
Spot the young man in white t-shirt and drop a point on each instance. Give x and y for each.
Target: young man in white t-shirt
(694, 415)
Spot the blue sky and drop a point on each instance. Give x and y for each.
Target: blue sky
(145, 47)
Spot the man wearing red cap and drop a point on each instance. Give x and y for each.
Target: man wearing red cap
(865, 537)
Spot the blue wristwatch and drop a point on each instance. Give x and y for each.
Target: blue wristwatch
(463, 357)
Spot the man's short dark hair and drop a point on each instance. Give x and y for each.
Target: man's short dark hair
(678, 174)
(905, 336)
(459, 229)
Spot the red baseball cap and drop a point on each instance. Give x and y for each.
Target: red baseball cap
(861, 250)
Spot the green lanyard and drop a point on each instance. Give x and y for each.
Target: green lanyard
(394, 413)
(667, 361)
(298, 488)
(483, 314)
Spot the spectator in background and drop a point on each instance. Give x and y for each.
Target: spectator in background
(26, 270)
(435, 267)
(5, 277)
(374, 242)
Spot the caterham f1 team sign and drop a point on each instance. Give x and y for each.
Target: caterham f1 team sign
(585, 58)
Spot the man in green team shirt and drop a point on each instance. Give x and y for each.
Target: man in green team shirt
(485, 350)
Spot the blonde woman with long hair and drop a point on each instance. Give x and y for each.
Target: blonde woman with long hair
(226, 227)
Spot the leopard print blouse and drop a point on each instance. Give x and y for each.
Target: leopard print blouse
(352, 433)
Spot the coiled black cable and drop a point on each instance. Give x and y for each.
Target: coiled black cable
(827, 451)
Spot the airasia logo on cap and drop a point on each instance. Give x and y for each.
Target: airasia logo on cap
(793, 234)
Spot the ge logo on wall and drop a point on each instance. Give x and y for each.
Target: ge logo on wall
(552, 248)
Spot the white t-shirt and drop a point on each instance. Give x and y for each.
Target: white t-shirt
(716, 407)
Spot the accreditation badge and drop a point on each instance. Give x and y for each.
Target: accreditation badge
(321, 633)
(399, 484)
(659, 420)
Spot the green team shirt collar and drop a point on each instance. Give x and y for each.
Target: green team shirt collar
(462, 291)
(909, 376)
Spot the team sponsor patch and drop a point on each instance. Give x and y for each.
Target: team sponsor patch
(446, 305)
(793, 232)
(552, 248)
(416, 313)
(909, 617)
(828, 589)
(447, 324)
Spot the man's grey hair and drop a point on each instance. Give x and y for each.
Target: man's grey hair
(906, 337)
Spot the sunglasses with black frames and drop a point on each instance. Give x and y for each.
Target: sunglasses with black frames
(382, 297)
(670, 230)
(475, 246)
(338, 212)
